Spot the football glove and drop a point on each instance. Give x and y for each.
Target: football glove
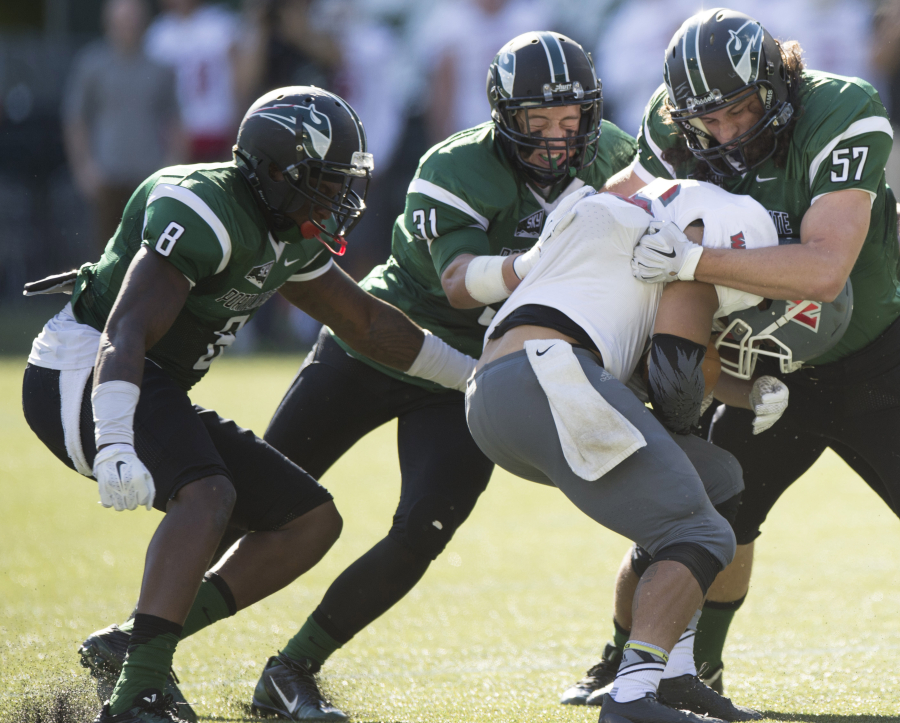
(664, 254)
(123, 479)
(768, 400)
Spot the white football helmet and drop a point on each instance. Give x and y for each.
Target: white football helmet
(793, 332)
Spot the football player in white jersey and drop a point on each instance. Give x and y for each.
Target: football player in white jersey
(549, 403)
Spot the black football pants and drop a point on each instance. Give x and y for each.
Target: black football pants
(332, 403)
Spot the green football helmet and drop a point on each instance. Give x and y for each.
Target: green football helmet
(544, 70)
(717, 59)
(318, 143)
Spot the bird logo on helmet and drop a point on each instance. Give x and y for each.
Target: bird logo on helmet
(545, 70)
(305, 148)
(717, 59)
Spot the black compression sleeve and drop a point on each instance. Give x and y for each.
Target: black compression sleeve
(676, 381)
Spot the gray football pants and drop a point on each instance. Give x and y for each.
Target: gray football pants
(661, 495)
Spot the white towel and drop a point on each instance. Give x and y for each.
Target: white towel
(594, 436)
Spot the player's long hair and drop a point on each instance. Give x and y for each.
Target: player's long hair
(792, 55)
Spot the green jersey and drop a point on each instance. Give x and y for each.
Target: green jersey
(205, 221)
(468, 198)
(841, 140)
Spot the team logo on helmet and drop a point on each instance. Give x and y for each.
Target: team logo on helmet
(506, 69)
(744, 48)
(809, 316)
(314, 127)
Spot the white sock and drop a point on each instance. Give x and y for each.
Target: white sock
(681, 659)
(640, 672)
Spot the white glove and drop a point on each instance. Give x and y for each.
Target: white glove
(123, 479)
(769, 400)
(664, 254)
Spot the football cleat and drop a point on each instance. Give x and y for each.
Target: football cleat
(150, 706)
(687, 692)
(598, 680)
(103, 653)
(712, 677)
(647, 710)
(288, 687)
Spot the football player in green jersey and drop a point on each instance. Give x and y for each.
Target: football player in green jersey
(477, 199)
(738, 107)
(199, 249)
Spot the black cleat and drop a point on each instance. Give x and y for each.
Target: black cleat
(713, 677)
(150, 706)
(597, 681)
(689, 693)
(647, 710)
(103, 653)
(288, 687)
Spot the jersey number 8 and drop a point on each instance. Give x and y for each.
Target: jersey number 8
(167, 238)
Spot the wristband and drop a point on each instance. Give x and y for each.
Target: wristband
(439, 362)
(114, 403)
(484, 279)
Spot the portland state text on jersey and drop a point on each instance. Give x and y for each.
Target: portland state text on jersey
(235, 300)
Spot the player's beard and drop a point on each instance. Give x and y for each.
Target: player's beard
(760, 147)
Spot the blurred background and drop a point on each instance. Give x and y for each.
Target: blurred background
(97, 94)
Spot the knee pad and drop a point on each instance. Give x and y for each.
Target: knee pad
(729, 508)
(640, 559)
(428, 527)
(703, 565)
(676, 381)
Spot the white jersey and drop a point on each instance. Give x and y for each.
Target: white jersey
(585, 268)
(198, 48)
(585, 272)
(730, 221)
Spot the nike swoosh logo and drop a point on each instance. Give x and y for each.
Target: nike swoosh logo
(541, 353)
(290, 704)
(291, 263)
(763, 180)
(670, 255)
(119, 466)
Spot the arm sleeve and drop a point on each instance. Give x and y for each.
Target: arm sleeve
(448, 224)
(179, 225)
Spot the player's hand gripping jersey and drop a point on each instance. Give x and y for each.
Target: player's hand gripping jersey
(585, 265)
(467, 198)
(206, 223)
(841, 140)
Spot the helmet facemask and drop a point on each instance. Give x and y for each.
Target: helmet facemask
(339, 188)
(578, 150)
(747, 151)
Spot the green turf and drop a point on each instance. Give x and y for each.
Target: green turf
(514, 611)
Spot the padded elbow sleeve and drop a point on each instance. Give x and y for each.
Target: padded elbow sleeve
(676, 381)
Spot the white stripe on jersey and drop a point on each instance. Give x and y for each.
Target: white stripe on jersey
(865, 125)
(200, 207)
(657, 151)
(442, 195)
(315, 273)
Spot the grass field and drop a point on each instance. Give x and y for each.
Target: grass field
(515, 609)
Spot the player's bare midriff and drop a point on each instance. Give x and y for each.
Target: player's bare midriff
(514, 340)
